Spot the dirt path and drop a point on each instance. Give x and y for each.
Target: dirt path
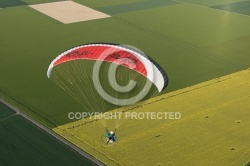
(80, 151)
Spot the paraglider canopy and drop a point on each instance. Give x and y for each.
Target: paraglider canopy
(129, 57)
(104, 76)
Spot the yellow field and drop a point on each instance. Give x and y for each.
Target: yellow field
(213, 129)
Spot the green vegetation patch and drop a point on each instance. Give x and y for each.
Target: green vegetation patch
(209, 2)
(143, 5)
(31, 2)
(237, 7)
(15, 3)
(201, 30)
(101, 3)
(5, 111)
(11, 3)
(23, 143)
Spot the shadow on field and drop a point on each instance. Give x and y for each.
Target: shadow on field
(11, 3)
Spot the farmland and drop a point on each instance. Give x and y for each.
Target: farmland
(188, 58)
(5, 112)
(213, 129)
(23, 143)
(194, 41)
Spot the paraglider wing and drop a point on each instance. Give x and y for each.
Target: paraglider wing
(111, 53)
(99, 75)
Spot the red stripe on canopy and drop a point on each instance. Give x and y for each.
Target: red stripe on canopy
(104, 53)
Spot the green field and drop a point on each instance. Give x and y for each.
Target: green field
(192, 48)
(5, 111)
(193, 40)
(23, 143)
